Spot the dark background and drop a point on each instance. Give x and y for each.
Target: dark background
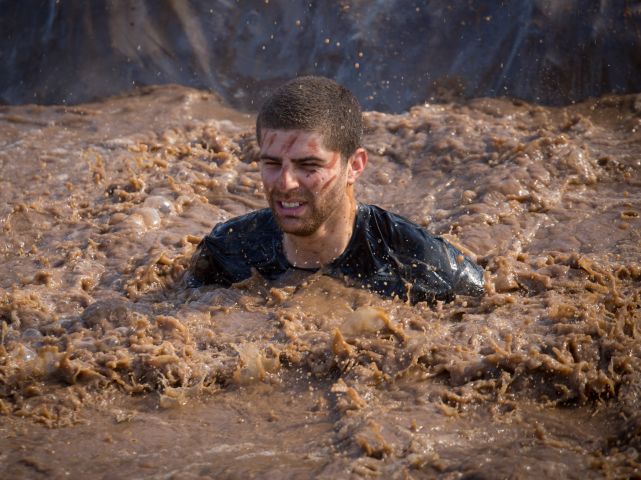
(408, 52)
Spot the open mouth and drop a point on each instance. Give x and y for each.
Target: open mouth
(290, 207)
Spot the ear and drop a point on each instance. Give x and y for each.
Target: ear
(356, 164)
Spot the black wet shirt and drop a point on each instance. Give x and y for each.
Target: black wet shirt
(387, 254)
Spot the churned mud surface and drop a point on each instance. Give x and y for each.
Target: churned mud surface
(111, 368)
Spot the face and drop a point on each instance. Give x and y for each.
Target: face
(304, 182)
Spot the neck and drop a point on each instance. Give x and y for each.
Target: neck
(325, 244)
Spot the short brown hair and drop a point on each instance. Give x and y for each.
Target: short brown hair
(315, 104)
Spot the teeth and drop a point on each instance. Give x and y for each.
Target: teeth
(290, 204)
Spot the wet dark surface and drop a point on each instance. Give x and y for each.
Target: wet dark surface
(391, 54)
(111, 368)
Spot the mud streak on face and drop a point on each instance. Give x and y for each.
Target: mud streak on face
(290, 142)
(312, 144)
(333, 161)
(327, 184)
(270, 140)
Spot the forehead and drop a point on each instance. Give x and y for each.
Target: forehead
(294, 143)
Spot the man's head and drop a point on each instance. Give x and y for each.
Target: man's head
(309, 134)
(315, 104)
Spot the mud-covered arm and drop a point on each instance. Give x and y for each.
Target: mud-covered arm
(440, 272)
(204, 269)
(214, 262)
(467, 276)
(431, 268)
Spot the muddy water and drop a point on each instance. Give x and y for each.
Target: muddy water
(111, 368)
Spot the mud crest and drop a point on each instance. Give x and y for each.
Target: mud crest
(110, 367)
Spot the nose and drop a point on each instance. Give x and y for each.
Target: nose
(287, 179)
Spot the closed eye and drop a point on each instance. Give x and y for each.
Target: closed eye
(309, 163)
(271, 161)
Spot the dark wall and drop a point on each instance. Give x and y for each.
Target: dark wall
(546, 51)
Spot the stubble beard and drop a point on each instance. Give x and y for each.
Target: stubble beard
(320, 209)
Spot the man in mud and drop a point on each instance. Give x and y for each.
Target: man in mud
(309, 133)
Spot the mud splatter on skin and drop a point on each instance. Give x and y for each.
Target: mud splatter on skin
(103, 204)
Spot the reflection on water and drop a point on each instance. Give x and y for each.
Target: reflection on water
(101, 208)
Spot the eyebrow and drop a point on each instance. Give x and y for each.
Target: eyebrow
(295, 160)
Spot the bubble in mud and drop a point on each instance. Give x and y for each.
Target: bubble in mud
(70, 324)
(88, 344)
(117, 218)
(150, 216)
(11, 336)
(160, 203)
(139, 221)
(31, 335)
(28, 354)
(107, 314)
(109, 342)
(135, 223)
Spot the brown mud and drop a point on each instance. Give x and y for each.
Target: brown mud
(110, 367)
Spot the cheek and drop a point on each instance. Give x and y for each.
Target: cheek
(328, 183)
(321, 183)
(311, 180)
(268, 179)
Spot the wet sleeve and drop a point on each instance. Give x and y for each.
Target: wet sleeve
(205, 270)
(217, 261)
(437, 270)
(466, 276)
